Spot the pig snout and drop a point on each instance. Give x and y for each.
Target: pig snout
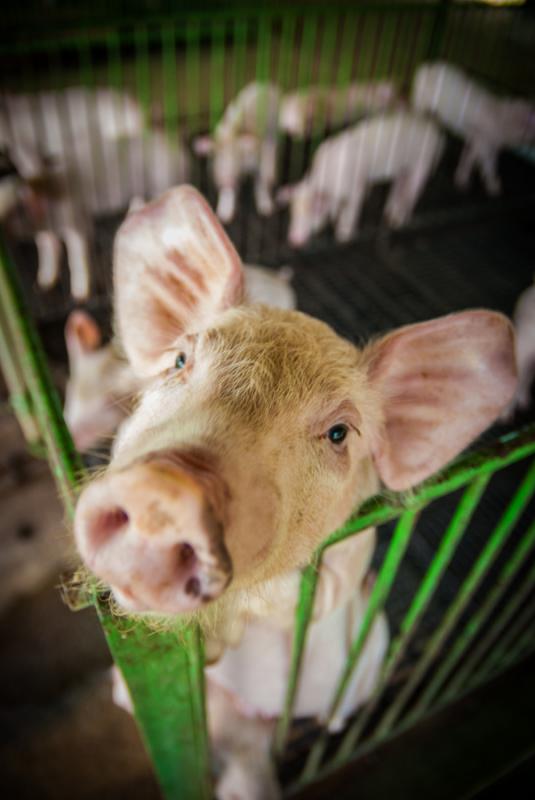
(154, 532)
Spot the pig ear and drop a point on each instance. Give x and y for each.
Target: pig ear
(203, 145)
(175, 270)
(443, 382)
(82, 334)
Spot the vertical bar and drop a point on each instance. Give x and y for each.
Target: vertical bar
(165, 676)
(439, 29)
(468, 588)
(481, 616)
(193, 95)
(170, 107)
(303, 614)
(507, 618)
(66, 464)
(217, 72)
(456, 528)
(19, 396)
(378, 597)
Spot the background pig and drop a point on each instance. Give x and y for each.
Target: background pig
(485, 122)
(258, 432)
(102, 386)
(245, 142)
(311, 110)
(79, 154)
(399, 147)
(524, 322)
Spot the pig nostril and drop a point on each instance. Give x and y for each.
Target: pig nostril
(106, 524)
(186, 554)
(193, 587)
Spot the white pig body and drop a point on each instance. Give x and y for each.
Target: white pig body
(245, 143)
(485, 122)
(258, 432)
(310, 110)
(399, 147)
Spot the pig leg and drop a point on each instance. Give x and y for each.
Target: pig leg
(266, 178)
(466, 164)
(404, 195)
(241, 750)
(226, 204)
(78, 259)
(48, 258)
(349, 213)
(487, 163)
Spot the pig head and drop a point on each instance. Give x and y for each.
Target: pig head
(259, 429)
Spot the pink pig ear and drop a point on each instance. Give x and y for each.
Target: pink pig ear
(175, 270)
(82, 334)
(443, 382)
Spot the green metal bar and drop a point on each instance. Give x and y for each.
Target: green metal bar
(19, 396)
(525, 642)
(507, 450)
(303, 613)
(217, 73)
(456, 528)
(66, 465)
(166, 666)
(142, 69)
(304, 78)
(467, 590)
(506, 577)
(169, 74)
(507, 618)
(163, 671)
(379, 594)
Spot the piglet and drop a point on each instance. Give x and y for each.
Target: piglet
(102, 387)
(245, 142)
(311, 110)
(399, 147)
(257, 433)
(487, 123)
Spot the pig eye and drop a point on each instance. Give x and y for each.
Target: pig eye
(180, 361)
(337, 433)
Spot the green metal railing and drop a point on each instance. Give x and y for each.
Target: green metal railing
(216, 54)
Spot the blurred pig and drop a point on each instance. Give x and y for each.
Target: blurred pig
(245, 142)
(487, 123)
(53, 127)
(524, 322)
(399, 147)
(102, 386)
(63, 203)
(315, 108)
(258, 432)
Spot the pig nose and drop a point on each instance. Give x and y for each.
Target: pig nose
(151, 533)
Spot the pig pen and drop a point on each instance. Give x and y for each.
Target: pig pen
(455, 562)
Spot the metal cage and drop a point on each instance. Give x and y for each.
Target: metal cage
(465, 611)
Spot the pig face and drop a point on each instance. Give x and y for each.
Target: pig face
(309, 212)
(260, 429)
